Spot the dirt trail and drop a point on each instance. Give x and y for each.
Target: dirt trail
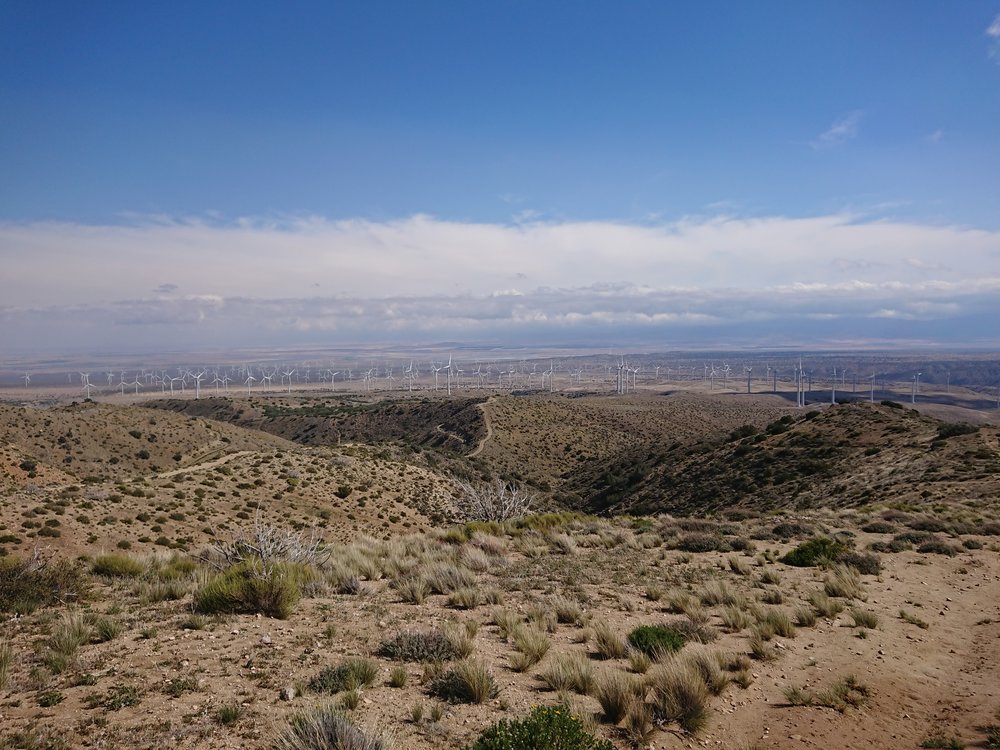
(204, 465)
(489, 428)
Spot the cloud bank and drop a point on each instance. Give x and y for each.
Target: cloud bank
(159, 281)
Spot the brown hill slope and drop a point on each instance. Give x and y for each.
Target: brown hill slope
(99, 441)
(842, 456)
(449, 425)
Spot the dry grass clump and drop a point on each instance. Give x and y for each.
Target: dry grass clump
(639, 726)
(735, 619)
(476, 559)
(638, 661)
(326, 727)
(679, 694)
(913, 619)
(844, 582)
(467, 681)
(542, 617)
(567, 611)
(569, 672)
(467, 597)
(805, 617)
(710, 666)
(825, 606)
(864, 619)
(445, 579)
(778, 622)
(843, 694)
(760, 648)
(412, 589)
(717, 593)
(738, 566)
(58, 653)
(507, 621)
(679, 602)
(531, 645)
(770, 577)
(117, 566)
(616, 691)
(607, 641)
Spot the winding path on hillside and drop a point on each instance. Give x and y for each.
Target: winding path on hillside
(204, 465)
(489, 428)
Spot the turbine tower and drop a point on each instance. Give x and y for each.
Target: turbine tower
(197, 383)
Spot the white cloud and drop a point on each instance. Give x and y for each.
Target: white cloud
(841, 131)
(993, 31)
(420, 276)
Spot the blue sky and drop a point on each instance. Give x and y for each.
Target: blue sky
(133, 133)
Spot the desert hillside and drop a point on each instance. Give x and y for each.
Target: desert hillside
(782, 578)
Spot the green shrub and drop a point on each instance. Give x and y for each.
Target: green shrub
(954, 429)
(654, 640)
(26, 585)
(422, 646)
(116, 566)
(546, 727)
(938, 547)
(821, 550)
(352, 674)
(699, 541)
(251, 587)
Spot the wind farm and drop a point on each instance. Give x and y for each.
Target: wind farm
(522, 376)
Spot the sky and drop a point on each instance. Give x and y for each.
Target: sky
(188, 175)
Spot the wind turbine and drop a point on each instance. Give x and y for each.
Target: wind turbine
(448, 368)
(333, 380)
(289, 376)
(872, 378)
(27, 379)
(435, 370)
(748, 370)
(197, 383)
(833, 388)
(552, 371)
(249, 381)
(913, 388)
(136, 383)
(87, 385)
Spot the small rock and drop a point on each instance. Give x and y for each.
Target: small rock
(287, 693)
